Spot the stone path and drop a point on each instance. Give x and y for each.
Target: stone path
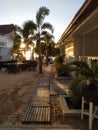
(57, 90)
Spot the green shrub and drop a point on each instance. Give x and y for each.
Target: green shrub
(75, 93)
(62, 70)
(59, 60)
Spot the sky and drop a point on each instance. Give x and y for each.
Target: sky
(19, 11)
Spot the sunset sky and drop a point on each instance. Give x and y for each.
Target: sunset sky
(19, 11)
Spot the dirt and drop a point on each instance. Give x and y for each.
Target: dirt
(15, 92)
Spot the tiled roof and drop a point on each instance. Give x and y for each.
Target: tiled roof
(5, 29)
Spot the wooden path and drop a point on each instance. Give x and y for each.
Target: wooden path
(56, 88)
(38, 109)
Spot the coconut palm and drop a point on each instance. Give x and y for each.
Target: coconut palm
(48, 38)
(17, 40)
(40, 16)
(28, 29)
(37, 28)
(34, 29)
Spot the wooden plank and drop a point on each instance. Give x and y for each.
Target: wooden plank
(32, 117)
(44, 118)
(35, 119)
(48, 114)
(37, 114)
(30, 113)
(26, 114)
(34, 114)
(43, 114)
(37, 111)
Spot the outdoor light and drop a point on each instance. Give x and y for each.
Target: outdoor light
(22, 45)
(27, 55)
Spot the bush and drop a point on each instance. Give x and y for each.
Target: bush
(62, 70)
(59, 60)
(75, 93)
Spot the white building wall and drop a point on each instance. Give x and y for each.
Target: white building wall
(6, 43)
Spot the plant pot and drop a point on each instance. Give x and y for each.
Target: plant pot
(90, 96)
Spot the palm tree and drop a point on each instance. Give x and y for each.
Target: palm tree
(48, 38)
(28, 29)
(35, 29)
(40, 16)
(83, 68)
(17, 40)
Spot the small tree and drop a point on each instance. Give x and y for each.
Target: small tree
(49, 43)
(38, 27)
(17, 41)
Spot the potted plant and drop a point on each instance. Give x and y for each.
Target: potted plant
(89, 84)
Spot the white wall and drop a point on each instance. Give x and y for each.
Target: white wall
(6, 43)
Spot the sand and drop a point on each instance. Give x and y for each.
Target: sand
(15, 92)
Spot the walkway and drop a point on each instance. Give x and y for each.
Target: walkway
(38, 109)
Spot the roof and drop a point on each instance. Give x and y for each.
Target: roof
(5, 29)
(84, 12)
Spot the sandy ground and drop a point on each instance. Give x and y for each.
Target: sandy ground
(15, 92)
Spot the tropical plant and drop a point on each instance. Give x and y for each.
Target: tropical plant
(28, 29)
(62, 70)
(37, 28)
(75, 93)
(59, 60)
(17, 40)
(85, 80)
(55, 51)
(83, 68)
(49, 43)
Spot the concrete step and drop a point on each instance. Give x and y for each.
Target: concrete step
(37, 127)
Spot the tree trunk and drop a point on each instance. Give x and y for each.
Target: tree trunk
(40, 57)
(40, 63)
(46, 57)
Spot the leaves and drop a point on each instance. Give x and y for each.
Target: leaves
(47, 26)
(41, 14)
(84, 69)
(28, 28)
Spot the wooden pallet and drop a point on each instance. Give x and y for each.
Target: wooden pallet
(37, 114)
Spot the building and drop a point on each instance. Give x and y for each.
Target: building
(80, 40)
(6, 41)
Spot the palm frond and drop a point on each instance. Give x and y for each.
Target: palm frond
(40, 15)
(80, 64)
(47, 36)
(33, 37)
(47, 26)
(17, 28)
(28, 28)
